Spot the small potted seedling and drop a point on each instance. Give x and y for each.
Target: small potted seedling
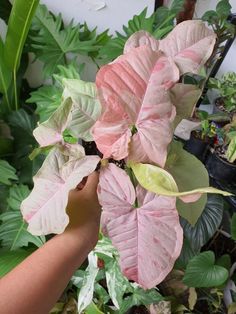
(201, 139)
(226, 88)
(221, 162)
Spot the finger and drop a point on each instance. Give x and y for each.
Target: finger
(92, 182)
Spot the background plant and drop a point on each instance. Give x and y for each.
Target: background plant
(225, 87)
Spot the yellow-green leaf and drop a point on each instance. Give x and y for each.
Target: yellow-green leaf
(159, 181)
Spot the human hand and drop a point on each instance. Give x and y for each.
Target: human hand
(84, 209)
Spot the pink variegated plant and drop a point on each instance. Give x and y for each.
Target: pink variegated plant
(131, 114)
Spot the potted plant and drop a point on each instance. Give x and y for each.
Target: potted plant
(226, 89)
(204, 136)
(221, 162)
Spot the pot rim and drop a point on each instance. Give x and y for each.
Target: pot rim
(222, 160)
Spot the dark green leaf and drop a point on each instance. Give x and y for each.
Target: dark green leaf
(233, 227)
(101, 293)
(187, 253)
(202, 272)
(140, 297)
(224, 261)
(47, 99)
(177, 6)
(4, 192)
(18, 26)
(22, 126)
(207, 223)
(70, 71)
(10, 259)
(223, 8)
(51, 41)
(6, 147)
(5, 10)
(5, 77)
(21, 121)
(8, 173)
(210, 16)
(13, 231)
(93, 309)
(17, 194)
(181, 164)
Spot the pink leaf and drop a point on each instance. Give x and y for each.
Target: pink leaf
(141, 38)
(133, 91)
(148, 238)
(190, 44)
(50, 131)
(45, 208)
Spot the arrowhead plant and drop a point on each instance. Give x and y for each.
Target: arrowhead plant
(131, 113)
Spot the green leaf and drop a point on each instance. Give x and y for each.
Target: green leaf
(13, 231)
(202, 272)
(70, 71)
(4, 192)
(210, 17)
(93, 309)
(17, 194)
(18, 26)
(177, 6)
(180, 164)
(187, 253)
(22, 125)
(5, 76)
(223, 8)
(86, 107)
(207, 224)
(233, 226)
(6, 147)
(140, 297)
(47, 99)
(224, 261)
(176, 181)
(10, 259)
(116, 283)
(21, 121)
(101, 293)
(52, 41)
(8, 173)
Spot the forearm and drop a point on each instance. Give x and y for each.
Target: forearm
(36, 284)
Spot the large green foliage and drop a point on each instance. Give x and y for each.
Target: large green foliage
(11, 51)
(13, 229)
(10, 259)
(8, 173)
(207, 224)
(52, 40)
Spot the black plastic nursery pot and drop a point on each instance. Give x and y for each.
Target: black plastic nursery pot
(220, 170)
(197, 147)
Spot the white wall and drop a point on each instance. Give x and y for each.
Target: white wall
(113, 16)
